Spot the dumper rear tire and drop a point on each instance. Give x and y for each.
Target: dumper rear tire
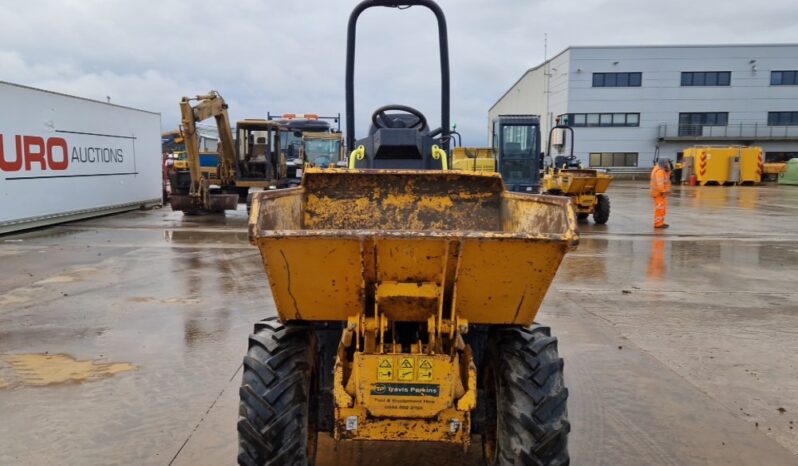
(278, 397)
(601, 214)
(526, 416)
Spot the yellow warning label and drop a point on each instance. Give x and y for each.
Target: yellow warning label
(406, 368)
(424, 370)
(385, 369)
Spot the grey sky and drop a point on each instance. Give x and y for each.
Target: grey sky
(264, 55)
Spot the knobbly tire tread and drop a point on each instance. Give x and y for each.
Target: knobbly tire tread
(601, 213)
(275, 395)
(532, 421)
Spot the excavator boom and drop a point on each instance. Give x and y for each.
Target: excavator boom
(198, 197)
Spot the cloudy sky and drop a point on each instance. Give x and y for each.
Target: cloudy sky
(288, 56)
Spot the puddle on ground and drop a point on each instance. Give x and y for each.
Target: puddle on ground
(49, 369)
(67, 277)
(11, 299)
(181, 301)
(140, 299)
(57, 279)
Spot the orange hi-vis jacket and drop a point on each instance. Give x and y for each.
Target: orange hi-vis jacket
(660, 182)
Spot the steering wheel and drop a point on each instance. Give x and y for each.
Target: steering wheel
(381, 119)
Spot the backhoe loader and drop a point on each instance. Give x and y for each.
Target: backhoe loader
(406, 295)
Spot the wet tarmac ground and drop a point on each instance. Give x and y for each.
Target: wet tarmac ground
(121, 337)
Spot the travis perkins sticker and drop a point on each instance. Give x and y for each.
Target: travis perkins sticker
(405, 389)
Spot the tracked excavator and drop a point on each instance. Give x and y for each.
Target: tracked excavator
(250, 160)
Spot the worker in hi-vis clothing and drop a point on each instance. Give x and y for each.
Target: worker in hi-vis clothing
(660, 190)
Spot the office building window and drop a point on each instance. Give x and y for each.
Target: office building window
(782, 118)
(784, 78)
(581, 120)
(692, 124)
(617, 79)
(706, 78)
(613, 159)
(780, 157)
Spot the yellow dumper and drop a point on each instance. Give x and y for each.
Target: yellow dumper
(586, 187)
(722, 165)
(475, 159)
(406, 295)
(772, 170)
(383, 281)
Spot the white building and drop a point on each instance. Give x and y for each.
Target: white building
(627, 103)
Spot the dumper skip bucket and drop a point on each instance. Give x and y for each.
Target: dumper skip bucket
(329, 244)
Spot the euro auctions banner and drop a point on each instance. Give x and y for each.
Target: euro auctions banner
(61, 156)
(65, 154)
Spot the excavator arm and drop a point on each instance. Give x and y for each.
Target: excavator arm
(210, 105)
(199, 197)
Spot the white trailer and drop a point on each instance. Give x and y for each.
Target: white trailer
(64, 158)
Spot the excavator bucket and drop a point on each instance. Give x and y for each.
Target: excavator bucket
(218, 203)
(344, 236)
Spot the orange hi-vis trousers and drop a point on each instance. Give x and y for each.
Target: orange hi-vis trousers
(660, 210)
(660, 189)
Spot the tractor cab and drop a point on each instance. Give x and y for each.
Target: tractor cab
(323, 150)
(516, 143)
(295, 126)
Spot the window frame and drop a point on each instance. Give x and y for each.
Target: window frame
(594, 120)
(778, 118)
(703, 78)
(779, 156)
(781, 81)
(631, 78)
(703, 121)
(608, 159)
(688, 126)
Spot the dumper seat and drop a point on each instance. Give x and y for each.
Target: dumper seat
(398, 141)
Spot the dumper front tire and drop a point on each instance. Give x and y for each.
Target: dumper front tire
(601, 214)
(278, 397)
(526, 416)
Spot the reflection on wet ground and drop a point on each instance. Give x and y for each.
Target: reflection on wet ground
(674, 341)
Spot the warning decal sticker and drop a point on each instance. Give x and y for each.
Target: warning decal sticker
(424, 370)
(406, 369)
(385, 369)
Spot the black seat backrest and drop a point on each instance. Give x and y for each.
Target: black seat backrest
(397, 148)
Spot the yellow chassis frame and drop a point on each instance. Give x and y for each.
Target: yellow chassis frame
(383, 393)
